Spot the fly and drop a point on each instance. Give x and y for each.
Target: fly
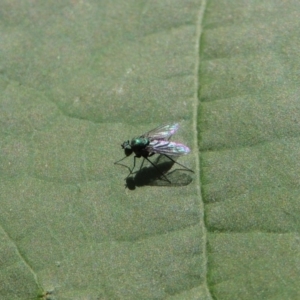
(155, 141)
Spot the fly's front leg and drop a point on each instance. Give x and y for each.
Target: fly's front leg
(131, 171)
(142, 164)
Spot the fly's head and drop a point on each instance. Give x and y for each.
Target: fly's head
(127, 148)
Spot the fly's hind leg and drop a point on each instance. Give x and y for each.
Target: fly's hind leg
(174, 161)
(159, 171)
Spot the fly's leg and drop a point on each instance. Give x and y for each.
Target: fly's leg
(131, 170)
(159, 171)
(118, 163)
(178, 163)
(142, 163)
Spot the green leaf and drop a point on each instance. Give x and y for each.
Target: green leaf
(249, 128)
(78, 79)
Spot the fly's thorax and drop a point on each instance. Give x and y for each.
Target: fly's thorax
(139, 143)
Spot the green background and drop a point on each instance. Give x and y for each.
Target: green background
(78, 78)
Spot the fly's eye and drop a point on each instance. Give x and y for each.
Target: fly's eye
(127, 148)
(126, 145)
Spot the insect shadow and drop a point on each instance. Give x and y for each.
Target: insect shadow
(152, 176)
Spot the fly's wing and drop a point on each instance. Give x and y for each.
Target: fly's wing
(168, 148)
(163, 132)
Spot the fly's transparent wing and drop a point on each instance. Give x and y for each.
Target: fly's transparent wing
(163, 132)
(168, 148)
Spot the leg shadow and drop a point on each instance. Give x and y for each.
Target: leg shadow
(150, 176)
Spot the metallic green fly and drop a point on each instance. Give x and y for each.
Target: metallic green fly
(155, 141)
